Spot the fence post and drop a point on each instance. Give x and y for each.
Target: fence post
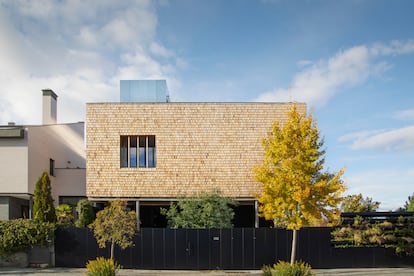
(137, 214)
(256, 214)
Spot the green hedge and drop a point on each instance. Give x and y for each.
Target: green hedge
(19, 234)
(364, 233)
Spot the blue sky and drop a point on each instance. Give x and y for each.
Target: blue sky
(351, 61)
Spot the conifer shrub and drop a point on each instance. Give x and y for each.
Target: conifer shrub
(43, 208)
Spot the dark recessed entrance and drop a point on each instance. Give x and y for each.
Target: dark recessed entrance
(150, 216)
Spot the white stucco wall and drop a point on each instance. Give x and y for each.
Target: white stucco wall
(64, 143)
(13, 165)
(69, 182)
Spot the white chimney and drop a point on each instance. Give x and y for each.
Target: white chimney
(49, 107)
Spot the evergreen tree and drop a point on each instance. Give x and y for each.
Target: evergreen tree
(295, 190)
(43, 209)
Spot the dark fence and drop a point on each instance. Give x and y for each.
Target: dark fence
(237, 248)
(373, 217)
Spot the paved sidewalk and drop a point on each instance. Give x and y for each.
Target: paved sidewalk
(130, 272)
(366, 271)
(124, 272)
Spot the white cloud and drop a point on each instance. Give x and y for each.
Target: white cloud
(80, 50)
(396, 47)
(87, 37)
(160, 50)
(140, 66)
(318, 83)
(37, 9)
(383, 185)
(135, 26)
(303, 63)
(395, 139)
(360, 135)
(405, 115)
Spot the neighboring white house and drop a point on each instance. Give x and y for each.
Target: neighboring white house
(27, 151)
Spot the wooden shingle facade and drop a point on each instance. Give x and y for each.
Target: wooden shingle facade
(198, 147)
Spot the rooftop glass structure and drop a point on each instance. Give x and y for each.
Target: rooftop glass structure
(144, 91)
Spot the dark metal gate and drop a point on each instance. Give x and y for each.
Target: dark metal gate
(237, 248)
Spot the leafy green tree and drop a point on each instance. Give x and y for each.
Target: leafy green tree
(43, 209)
(409, 204)
(86, 213)
(64, 215)
(114, 224)
(357, 203)
(207, 210)
(295, 190)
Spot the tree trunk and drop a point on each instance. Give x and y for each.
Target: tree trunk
(112, 249)
(294, 242)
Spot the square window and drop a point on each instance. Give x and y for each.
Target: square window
(137, 151)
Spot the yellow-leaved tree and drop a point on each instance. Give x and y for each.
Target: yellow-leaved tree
(296, 192)
(114, 224)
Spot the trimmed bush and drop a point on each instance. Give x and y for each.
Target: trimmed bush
(86, 213)
(285, 269)
(19, 234)
(102, 267)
